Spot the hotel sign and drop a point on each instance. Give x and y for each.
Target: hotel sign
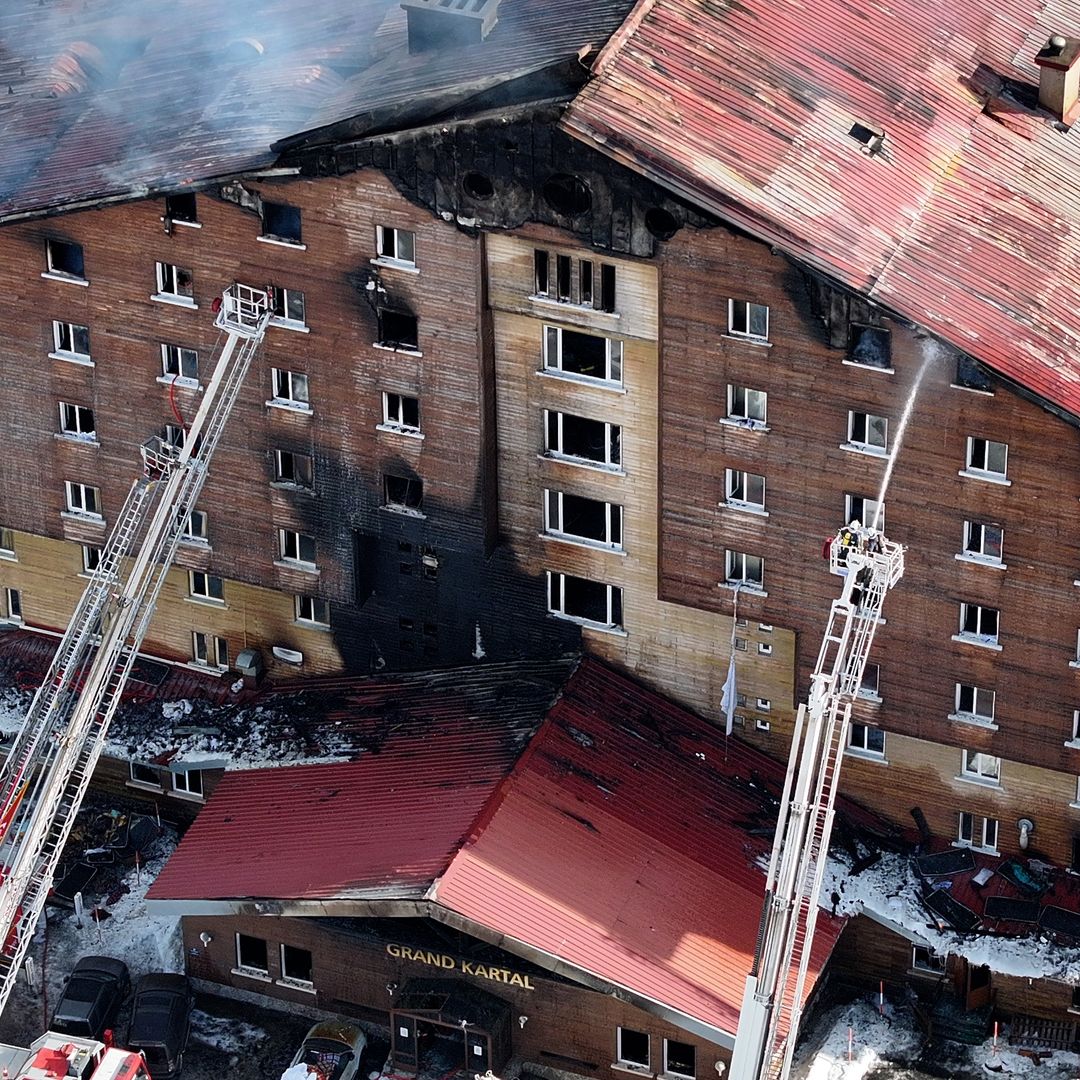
(466, 967)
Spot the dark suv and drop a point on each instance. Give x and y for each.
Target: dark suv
(161, 1023)
(93, 994)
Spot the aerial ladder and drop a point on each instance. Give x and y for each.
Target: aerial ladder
(775, 988)
(48, 767)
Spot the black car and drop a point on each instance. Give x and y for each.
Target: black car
(161, 1023)
(93, 994)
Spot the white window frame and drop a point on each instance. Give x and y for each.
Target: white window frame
(982, 832)
(291, 544)
(205, 595)
(552, 347)
(855, 507)
(78, 495)
(394, 413)
(1074, 741)
(247, 969)
(312, 610)
(77, 422)
(13, 606)
(979, 637)
(736, 571)
(859, 739)
(739, 479)
(668, 1071)
(196, 528)
(625, 1062)
(982, 472)
(179, 357)
(975, 552)
(293, 980)
(934, 964)
(168, 285)
(204, 644)
(388, 246)
(290, 389)
(293, 455)
(286, 320)
(62, 327)
(142, 782)
(975, 715)
(554, 521)
(746, 418)
(7, 544)
(558, 452)
(182, 785)
(556, 593)
(748, 309)
(861, 428)
(980, 768)
(55, 272)
(91, 557)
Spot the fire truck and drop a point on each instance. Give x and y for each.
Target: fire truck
(54, 1057)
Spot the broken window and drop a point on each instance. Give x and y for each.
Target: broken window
(403, 492)
(540, 272)
(175, 283)
(987, 459)
(310, 609)
(146, 775)
(281, 222)
(296, 547)
(983, 541)
(575, 281)
(208, 587)
(293, 468)
(296, 964)
(747, 406)
(870, 346)
(585, 440)
(976, 765)
(209, 650)
(562, 278)
(971, 375)
(868, 432)
(680, 1059)
(585, 601)
(77, 421)
(924, 958)
(82, 499)
(395, 245)
(578, 518)
(744, 490)
(64, 259)
(179, 363)
(869, 687)
(71, 341)
(749, 320)
(287, 307)
(181, 208)
(743, 569)
(398, 329)
(979, 624)
(195, 527)
(586, 355)
(633, 1048)
(290, 388)
(401, 412)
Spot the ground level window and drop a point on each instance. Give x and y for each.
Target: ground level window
(976, 831)
(144, 774)
(925, 959)
(251, 954)
(295, 964)
(680, 1059)
(633, 1048)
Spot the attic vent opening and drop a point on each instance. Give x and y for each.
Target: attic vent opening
(869, 139)
(442, 24)
(567, 195)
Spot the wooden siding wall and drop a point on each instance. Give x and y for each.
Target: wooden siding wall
(808, 473)
(568, 1027)
(682, 650)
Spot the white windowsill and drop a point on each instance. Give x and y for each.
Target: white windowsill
(279, 242)
(748, 339)
(199, 542)
(80, 440)
(979, 781)
(207, 669)
(186, 796)
(743, 508)
(289, 485)
(1072, 744)
(869, 698)
(971, 389)
(175, 301)
(1074, 805)
(290, 406)
(397, 429)
(289, 324)
(82, 359)
(8, 556)
(302, 567)
(404, 511)
(582, 380)
(744, 425)
(180, 382)
(142, 785)
(69, 279)
(979, 643)
(78, 515)
(636, 1070)
(980, 560)
(582, 542)
(1075, 664)
(589, 624)
(865, 450)
(183, 224)
(403, 350)
(975, 847)
(307, 624)
(585, 463)
(870, 367)
(251, 973)
(206, 601)
(568, 305)
(974, 721)
(395, 264)
(296, 984)
(985, 477)
(865, 755)
(749, 590)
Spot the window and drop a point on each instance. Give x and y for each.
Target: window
(575, 281)
(82, 499)
(71, 341)
(251, 954)
(176, 283)
(680, 1059)
(403, 493)
(203, 586)
(91, 558)
(64, 259)
(986, 458)
(208, 650)
(983, 542)
(179, 363)
(146, 775)
(980, 766)
(579, 518)
(395, 245)
(743, 569)
(865, 510)
(293, 468)
(975, 704)
(977, 832)
(868, 432)
(867, 740)
(748, 320)
(310, 609)
(590, 602)
(746, 406)
(181, 208)
(13, 603)
(188, 783)
(633, 1048)
(290, 388)
(764, 704)
(195, 527)
(870, 346)
(287, 307)
(978, 624)
(870, 686)
(281, 222)
(174, 435)
(744, 490)
(7, 543)
(296, 547)
(584, 440)
(77, 421)
(584, 355)
(401, 412)
(925, 959)
(970, 375)
(398, 330)
(295, 964)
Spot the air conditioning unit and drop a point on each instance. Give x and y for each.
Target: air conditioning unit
(288, 656)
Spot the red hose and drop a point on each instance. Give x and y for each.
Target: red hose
(176, 408)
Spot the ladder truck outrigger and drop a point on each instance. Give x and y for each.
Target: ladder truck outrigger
(775, 988)
(48, 767)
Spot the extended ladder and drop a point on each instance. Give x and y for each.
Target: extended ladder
(775, 987)
(48, 768)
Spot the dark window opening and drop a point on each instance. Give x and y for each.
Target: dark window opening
(1074, 864)
(397, 329)
(680, 1058)
(405, 568)
(870, 346)
(401, 491)
(295, 963)
(281, 222)
(585, 281)
(562, 278)
(972, 375)
(365, 563)
(287, 304)
(585, 599)
(431, 630)
(251, 953)
(567, 195)
(634, 1047)
(584, 354)
(181, 208)
(591, 440)
(65, 258)
(290, 468)
(540, 264)
(590, 519)
(607, 287)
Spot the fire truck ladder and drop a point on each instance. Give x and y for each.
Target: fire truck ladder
(48, 767)
(775, 987)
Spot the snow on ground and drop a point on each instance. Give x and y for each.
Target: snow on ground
(889, 891)
(228, 1035)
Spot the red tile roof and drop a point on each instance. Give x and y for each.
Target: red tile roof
(966, 220)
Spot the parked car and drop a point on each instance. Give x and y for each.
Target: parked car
(93, 994)
(161, 1023)
(333, 1048)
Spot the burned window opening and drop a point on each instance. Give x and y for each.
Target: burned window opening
(661, 224)
(971, 375)
(478, 185)
(403, 492)
(398, 330)
(567, 195)
(281, 222)
(181, 208)
(870, 346)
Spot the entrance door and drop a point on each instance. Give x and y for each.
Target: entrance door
(403, 1042)
(478, 1053)
(978, 987)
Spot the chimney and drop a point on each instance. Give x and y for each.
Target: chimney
(1059, 77)
(440, 24)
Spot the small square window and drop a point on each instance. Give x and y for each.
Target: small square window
(395, 245)
(77, 421)
(764, 704)
(296, 964)
(987, 458)
(749, 320)
(868, 432)
(587, 356)
(680, 1059)
(979, 624)
(866, 511)
(764, 648)
(744, 490)
(290, 387)
(293, 468)
(147, 775)
(747, 406)
(181, 208)
(403, 493)
(743, 569)
(296, 547)
(209, 650)
(975, 704)
(64, 258)
(287, 307)
(71, 341)
(175, 282)
(188, 783)
(82, 499)
(195, 527)
(870, 346)
(398, 330)
(866, 740)
(310, 609)
(983, 541)
(633, 1048)
(206, 586)
(401, 411)
(925, 959)
(179, 363)
(251, 954)
(979, 766)
(972, 375)
(281, 222)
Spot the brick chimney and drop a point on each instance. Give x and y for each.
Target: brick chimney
(1059, 77)
(439, 24)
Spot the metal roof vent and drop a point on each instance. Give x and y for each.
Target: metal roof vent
(441, 24)
(1059, 77)
(869, 139)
